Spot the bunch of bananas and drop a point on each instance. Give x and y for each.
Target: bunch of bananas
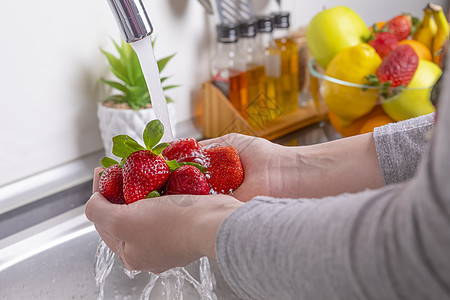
(433, 31)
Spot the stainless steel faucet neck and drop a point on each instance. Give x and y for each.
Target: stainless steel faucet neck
(132, 19)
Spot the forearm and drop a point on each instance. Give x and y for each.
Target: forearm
(345, 165)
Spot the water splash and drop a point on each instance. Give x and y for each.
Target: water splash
(104, 261)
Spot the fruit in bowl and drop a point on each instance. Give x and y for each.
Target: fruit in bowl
(351, 105)
(387, 76)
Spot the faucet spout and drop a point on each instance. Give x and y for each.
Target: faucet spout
(132, 19)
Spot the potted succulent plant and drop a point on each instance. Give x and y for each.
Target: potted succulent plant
(129, 108)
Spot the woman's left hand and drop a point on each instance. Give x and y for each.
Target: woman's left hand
(158, 234)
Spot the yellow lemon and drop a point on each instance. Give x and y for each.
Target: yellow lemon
(351, 65)
(415, 100)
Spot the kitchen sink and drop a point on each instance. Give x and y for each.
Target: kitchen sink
(47, 246)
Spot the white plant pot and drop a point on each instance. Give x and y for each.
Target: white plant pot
(113, 121)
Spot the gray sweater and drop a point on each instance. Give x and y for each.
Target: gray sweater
(390, 243)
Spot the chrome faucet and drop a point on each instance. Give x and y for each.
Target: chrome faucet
(132, 19)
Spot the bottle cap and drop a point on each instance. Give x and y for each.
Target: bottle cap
(281, 20)
(265, 24)
(247, 28)
(227, 33)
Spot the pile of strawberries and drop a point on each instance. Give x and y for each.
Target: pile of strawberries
(181, 167)
(386, 36)
(399, 62)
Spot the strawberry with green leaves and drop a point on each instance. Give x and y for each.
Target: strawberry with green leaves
(111, 181)
(145, 171)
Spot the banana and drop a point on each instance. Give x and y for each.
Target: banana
(427, 29)
(442, 34)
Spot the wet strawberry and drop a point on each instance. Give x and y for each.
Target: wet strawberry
(181, 148)
(224, 169)
(400, 26)
(398, 66)
(187, 180)
(111, 184)
(143, 173)
(384, 43)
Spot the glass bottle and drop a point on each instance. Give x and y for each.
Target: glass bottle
(227, 68)
(272, 64)
(289, 62)
(256, 75)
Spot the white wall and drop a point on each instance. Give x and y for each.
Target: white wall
(50, 64)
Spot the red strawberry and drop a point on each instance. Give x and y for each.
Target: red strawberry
(384, 43)
(398, 66)
(110, 184)
(143, 172)
(187, 180)
(224, 169)
(400, 26)
(181, 148)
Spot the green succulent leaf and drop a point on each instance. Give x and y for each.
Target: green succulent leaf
(169, 87)
(116, 85)
(113, 61)
(164, 78)
(153, 133)
(124, 146)
(131, 81)
(163, 62)
(158, 149)
(169, 100)
(107, 162)
(153, 194)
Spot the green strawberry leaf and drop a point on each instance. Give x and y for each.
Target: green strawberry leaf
(153, 194)
(124, 146)
(198, 166)
(153, 133)
(158, 149)
(173, 165)
(107, 162)
(134, 145)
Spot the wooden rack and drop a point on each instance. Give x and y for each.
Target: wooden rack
(219, 117)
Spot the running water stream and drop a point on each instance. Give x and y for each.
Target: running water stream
(172, 281)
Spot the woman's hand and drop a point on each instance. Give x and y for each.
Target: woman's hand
(268, 167)
(316, 171)
(160, 233)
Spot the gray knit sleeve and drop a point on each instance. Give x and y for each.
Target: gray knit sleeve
(391, 243)
(400, 147)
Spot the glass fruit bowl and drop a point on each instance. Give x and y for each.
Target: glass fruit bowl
(358, 108)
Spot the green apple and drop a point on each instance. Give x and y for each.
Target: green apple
(332, 30)
(415, 100)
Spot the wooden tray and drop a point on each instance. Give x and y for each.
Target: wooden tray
(218, 117)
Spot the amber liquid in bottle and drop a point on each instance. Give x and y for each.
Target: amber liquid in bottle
(256, 109)
(289, 74)
(238, 89)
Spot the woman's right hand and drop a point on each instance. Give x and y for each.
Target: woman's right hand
(266, 166)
